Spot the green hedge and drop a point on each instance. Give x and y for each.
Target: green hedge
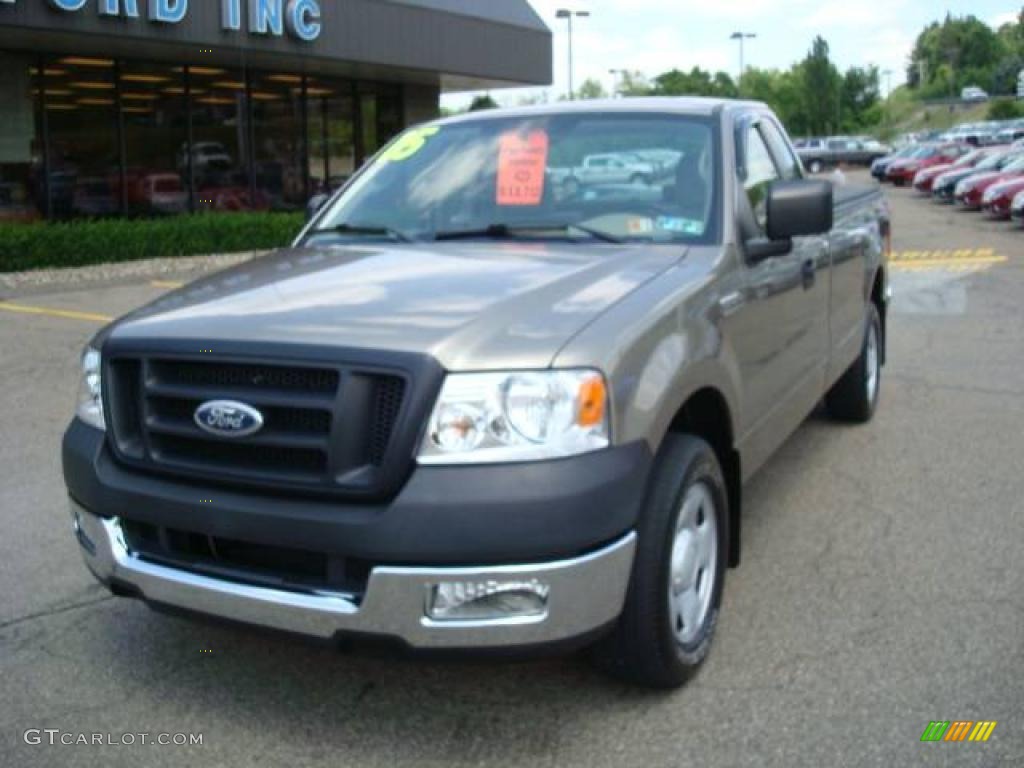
(101, 241)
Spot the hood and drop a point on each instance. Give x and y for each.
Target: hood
(936, 170)
(954, 176)
(469, 305)
(1010, 186)
(988, 177)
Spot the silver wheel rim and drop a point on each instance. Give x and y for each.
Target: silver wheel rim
(694, 565)
(871, 354)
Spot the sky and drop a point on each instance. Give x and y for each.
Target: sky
(657, 35)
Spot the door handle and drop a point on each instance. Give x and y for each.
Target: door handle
(808, 272)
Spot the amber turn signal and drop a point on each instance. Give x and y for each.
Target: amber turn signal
(593, 397)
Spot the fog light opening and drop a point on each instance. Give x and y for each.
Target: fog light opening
(487, 600)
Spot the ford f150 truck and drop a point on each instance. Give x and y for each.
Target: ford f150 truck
(470, 409)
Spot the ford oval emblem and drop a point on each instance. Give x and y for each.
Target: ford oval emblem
(227, 418)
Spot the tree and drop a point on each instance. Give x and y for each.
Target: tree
(1004, 110)
(861, 92)
(696, 82)
(483, 102)
(591, 89)
(958, 52)
(822, 87)
(633, 83)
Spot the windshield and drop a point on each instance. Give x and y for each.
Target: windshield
(991, 162)
(970, 159)
(1017, 164)
(630, 177)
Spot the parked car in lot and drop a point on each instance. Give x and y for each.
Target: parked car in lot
(925, 178)
(902, 172)
(998, 198)
(477, 414)
(1017, 208)
(970, 192)
(944, 186)
(820, 154)
(880, 167)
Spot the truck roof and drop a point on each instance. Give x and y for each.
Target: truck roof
(687, 105)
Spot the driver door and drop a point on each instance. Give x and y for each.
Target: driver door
(780, 332)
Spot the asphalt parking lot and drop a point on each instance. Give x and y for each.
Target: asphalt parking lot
(882, 586)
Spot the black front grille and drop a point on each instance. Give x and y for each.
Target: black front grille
(326, 428)
(247, 562)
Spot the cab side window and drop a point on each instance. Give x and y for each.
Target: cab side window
(760, 172)
(784, 157)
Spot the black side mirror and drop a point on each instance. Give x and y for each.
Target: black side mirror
(799, 208)
(316, 202)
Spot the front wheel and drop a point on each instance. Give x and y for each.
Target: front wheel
(666, 627)
(855, 396)
(816, 166)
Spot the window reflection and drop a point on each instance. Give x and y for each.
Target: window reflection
(20, 153)
(84, 161)
(279, 141)
(155, 117)
(220, 150)
(332, 150)
(90, 136)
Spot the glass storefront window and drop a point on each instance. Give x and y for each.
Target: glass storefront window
(90, 136)
(20, 150)
(279, 141)
(332, 150)
(84, 161)
(155, 118)
(220, 153)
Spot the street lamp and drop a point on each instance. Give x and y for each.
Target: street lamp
(564, 13)
(742, 37)
(616, 83)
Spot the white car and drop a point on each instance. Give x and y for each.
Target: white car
(206, 155)
(973, 93)
(1017, 208)
(616, 169)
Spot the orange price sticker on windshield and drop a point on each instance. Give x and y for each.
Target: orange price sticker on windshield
(522, 161)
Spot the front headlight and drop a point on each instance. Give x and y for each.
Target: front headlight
(990, 194)
(962, 188)
(488, 418)
(90, 398)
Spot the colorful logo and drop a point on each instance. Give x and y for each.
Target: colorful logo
(959, 730)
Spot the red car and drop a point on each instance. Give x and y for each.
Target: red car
(998, 198)
(902, 172)
(970, 192)
(925, 178)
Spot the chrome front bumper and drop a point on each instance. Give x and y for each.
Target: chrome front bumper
(585, 594)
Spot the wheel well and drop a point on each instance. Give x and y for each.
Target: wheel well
(878, 299)
(706, 415)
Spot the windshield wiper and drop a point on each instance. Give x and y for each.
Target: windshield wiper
(508, 231)
(368, 231)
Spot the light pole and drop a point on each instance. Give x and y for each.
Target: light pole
(888, 97)
(615, 73)
(564, 13)
(742, 37)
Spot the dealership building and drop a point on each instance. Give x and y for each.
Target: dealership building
(150, 107)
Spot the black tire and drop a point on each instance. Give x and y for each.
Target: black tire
(853, 398)
(643, 648)
(816, 166)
